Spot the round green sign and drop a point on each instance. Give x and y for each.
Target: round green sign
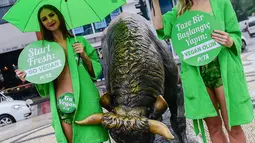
(66, 103)
(191, 38)
(42, 61)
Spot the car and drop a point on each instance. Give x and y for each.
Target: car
(244, 43)
(243, 25)
(12, 111)
(251, 26)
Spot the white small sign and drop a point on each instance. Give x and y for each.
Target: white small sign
(101, 24)
(78, 30)
(115, 13)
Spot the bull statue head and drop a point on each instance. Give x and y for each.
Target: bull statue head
(140, 76)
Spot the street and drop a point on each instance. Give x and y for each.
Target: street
(248, 58)
(37, 129)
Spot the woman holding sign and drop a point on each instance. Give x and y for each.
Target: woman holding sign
(219, 85)
(73, 95)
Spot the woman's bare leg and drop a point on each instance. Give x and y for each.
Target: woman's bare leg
(68, 131)
(214, 124)
(236, 135)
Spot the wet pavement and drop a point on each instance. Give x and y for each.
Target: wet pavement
(9, 132)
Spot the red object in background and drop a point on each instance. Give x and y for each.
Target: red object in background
(39, 35)
(45, 107)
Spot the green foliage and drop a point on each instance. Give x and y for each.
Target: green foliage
(243, 8)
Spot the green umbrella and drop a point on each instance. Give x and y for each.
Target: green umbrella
(77, 13)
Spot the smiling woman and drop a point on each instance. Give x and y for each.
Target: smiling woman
(50, 21)
(75, 81)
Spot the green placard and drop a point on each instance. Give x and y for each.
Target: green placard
(42, 61)
(66, 103)
(191, 38)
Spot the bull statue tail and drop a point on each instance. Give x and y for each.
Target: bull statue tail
(128, 123)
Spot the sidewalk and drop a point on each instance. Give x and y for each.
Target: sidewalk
(40, 131)
(249, 70)
(21, 127)
(42, 134)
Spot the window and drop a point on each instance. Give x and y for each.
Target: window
(165, 5)
(100, 26)
(83, 30)
(5, 5)
(6, 2)
(3, 10)
(252, 23)
(97, 26)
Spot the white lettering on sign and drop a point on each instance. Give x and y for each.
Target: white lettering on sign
(46, 76)
(43, 68)
(184, 25)
(193, 31)
(35, 58)
(196, 40)
(68, 98)
(199, 49)
(197, 18)
(202, 58)
(38, 51)
(45, 59)
(66, 103)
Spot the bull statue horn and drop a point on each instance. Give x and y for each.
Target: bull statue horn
(159, 128)
(155, 127)
(91, 120)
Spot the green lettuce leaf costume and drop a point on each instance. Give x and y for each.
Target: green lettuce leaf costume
(87, 98)
(197, 101)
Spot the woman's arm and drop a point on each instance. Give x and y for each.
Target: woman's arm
(43, 89)
(163, 24)
(156, 15)
(89, 57)
(232, 27)
(88, 64)
(231, 37)
(79, 48)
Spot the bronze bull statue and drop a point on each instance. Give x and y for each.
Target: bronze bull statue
(142, 82)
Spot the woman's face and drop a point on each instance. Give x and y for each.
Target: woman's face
(49, 20)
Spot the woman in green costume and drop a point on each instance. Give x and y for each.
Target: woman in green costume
(220, 85)
(74, 82)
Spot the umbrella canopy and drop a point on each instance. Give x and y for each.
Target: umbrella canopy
(23, 13)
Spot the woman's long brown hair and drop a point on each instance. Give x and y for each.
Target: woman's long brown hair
(183, 5)
(46, 34)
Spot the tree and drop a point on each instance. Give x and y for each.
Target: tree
(243, 8)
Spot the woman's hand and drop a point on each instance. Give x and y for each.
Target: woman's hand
(223, 38)
(156, 15)
(21, 75)
(78, 48)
